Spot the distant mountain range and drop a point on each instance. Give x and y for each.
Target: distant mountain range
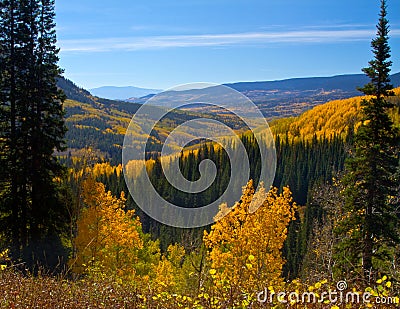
(122, 93)
(346, 83)
(276, 99)
(291, 97)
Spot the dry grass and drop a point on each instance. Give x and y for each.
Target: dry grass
(20, 291)
(45, 292)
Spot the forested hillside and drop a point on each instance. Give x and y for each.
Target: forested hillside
(101, 125)
(333, 118)
(105, 121)
(311, 149)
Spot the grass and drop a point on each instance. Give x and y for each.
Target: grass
(42, 291)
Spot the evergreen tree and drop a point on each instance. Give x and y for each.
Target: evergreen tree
(369, 228)
(33, 127)
(48, 128)
(13, 66)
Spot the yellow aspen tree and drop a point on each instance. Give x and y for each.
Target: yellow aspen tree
(108, 236)
(168, 271)
(244, 247)
(164, 276)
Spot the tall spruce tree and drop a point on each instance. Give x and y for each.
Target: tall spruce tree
(370, 227)
(32, 126)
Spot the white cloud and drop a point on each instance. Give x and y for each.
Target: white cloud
(233, 39)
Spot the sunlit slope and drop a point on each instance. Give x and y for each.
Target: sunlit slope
(101, 125)
(96, 126)
(335, 117)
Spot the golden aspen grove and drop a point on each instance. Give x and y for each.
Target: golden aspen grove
(108, 238)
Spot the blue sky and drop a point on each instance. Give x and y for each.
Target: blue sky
(163, 43)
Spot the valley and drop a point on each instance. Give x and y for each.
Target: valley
(104, 122)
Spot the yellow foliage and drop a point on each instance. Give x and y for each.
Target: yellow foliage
(335, 117)
(245, 248)
(164, 279)
(4, 257)
(168, 270)
(105, 169)
(175, 254)
(108, 237)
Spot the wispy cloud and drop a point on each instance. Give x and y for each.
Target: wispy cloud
(234, 39)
